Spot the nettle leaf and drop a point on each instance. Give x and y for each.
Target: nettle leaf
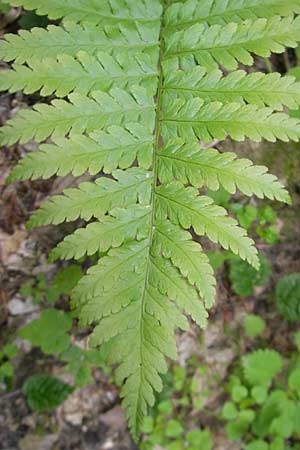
(44, 393)
(139, 87)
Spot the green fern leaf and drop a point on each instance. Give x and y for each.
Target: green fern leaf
(187, 255)
(189, 164)
(193, 118)
(233, 43)
(184, 207)
(255, 88)
(82, 74)
(182, 15)
(116, 147)
(79, 115)
(90, 11)
(111, 231)
(95, 199)
(70, 39)
(138, 84)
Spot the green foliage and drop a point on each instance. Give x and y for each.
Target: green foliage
(80, 363)
(49, 332)
(260, 367)
(263, 412)
(35, 288)
(7, 353)
(141, 93)
(4, 8)
(62, 284)
(244, 277)
(44, 393)
(254, 325)
(168, 426)
(261, 221)
(288, 297)
(266, 228)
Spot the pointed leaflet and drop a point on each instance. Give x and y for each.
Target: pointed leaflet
(185, 14)
(184, 207)
(233, 43)
(103, 150)
(110, 231)
(82, 74)
(70, 39)
(193, 118)
(176, 244)
(95, 199)
(188, 163)
(81, 114)
(255, 88)
(94, 12)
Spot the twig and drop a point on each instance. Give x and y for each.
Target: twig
(10, 395)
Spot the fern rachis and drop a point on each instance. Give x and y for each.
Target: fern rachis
(144, 93)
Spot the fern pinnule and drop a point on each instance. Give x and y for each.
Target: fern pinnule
(185, 14)
(82, 74)
(89, 11)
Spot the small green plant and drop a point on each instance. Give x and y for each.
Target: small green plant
(51, 333)
(171, 433)
(244, 278)
(44, 393)
(263, 412)
(259, 221)
(40, 290)
(167, 425)
(6, 367)
(288, 297)
(254, 325)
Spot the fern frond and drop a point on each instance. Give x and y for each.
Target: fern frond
(141, 331)
(185, 208)
(256, 88)
(233, 43)
(95, 199)
(80, 114)
(82, 74)
(189, 164)
(93, 12)
(108, 150)
(70, 39)
(182, 15)
(109, 232)
(140, 85)
(193, 118)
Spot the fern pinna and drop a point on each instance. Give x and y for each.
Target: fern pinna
(142, 87)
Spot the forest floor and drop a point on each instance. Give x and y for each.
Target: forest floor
(91, 418)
